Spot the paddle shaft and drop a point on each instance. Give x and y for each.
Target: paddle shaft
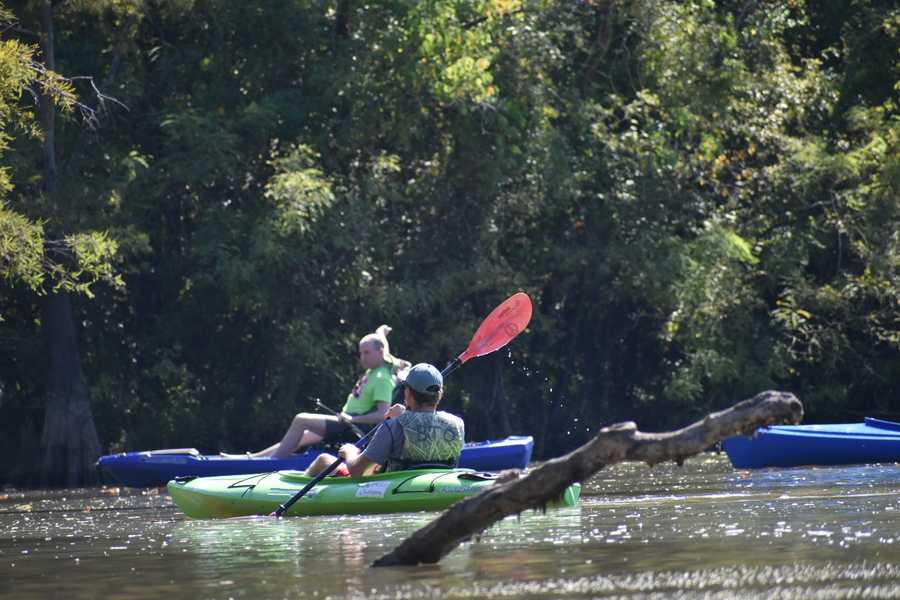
(451, 366)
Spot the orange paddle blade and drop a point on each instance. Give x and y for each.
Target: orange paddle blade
(503, 324)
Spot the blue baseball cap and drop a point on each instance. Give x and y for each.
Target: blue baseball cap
(423, 378)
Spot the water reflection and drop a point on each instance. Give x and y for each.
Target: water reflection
(700, 530)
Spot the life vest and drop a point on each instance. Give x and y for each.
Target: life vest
(429, 439)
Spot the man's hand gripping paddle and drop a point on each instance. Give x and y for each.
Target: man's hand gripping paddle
(499, 328)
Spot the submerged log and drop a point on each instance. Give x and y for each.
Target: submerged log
(616, 443)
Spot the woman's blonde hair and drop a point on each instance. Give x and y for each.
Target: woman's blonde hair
(380, 338)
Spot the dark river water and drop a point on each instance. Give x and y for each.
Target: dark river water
(702, 530)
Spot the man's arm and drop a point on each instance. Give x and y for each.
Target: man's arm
(386, 441)
(376, 453)
(358, 464)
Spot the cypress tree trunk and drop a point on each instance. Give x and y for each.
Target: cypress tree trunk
(46, 109)
(69, 443)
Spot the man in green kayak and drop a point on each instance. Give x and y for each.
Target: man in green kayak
(366, 405)
(415, 435)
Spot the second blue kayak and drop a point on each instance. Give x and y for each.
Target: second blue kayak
(872, 441)
(156, 467)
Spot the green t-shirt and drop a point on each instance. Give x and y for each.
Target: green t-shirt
(376, 385)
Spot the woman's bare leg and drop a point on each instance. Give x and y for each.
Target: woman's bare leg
(306, 429)
(279, 449)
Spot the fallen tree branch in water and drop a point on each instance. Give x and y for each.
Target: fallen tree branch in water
(617, 443)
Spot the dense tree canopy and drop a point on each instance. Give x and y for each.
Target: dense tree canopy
(701, 197)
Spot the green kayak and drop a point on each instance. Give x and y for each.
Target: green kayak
(398, 491)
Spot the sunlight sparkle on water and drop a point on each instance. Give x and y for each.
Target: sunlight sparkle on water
(701, 529)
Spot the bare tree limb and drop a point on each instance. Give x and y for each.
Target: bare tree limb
(20, 30)
(616, 443)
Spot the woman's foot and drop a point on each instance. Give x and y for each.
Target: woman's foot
(244, 455)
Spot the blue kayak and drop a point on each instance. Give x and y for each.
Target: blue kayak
(156, 467)
(872, 441)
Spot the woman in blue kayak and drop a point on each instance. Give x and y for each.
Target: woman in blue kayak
(416, 435)
(366, 405)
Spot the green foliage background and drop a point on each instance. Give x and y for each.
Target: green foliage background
(701, 197)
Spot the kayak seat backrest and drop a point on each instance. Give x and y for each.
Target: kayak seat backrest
(191, 451)
(396, 464)
(424, 483)
(478, 476)
(438, 465)
(882, 424)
